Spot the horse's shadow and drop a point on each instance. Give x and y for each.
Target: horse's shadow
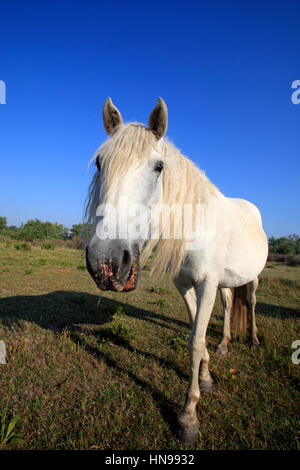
(276, 311)
(62, 310)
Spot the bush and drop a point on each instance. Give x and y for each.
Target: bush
(293, 260)
(23, 246)
(77, 243)
(48, 246)
(279, 258)
(285, 245)
(36, 229)
(3, 223)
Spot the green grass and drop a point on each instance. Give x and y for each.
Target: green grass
(85, 372)
(81, 267)
(281, 271)
(8, 436)
(23, 246)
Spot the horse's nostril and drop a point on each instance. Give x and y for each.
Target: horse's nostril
(126, 258)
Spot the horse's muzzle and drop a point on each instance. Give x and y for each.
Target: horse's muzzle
(118, 272)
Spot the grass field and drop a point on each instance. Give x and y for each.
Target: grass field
(84, 374)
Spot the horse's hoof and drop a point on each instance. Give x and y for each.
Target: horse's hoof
(205, 386)
(222, 351)
(255, 346)
(188, 436)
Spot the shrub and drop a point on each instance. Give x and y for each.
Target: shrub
(48, 246)
(77, 243)
(293, 260)
(36, 229)
(279, 258)
(23, 246)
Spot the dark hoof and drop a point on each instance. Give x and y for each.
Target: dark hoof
(255, 346)
(205, 386)
(188, 436)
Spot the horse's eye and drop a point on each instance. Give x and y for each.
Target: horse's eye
(159, 167)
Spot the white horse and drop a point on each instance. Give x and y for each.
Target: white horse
(223, 247)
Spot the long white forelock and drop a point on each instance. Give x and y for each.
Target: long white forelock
(157, 145)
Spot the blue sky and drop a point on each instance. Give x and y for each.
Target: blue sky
(224, 69)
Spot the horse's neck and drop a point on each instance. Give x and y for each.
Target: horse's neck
(191, 184)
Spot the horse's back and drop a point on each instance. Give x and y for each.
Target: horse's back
(248, 207)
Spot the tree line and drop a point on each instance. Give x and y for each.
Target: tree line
(289, 245)
(38, 230)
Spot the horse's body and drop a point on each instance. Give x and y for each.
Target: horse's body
(228, 248)
(233, 251)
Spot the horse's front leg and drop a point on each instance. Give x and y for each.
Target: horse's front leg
(187, 418)
(189, 296)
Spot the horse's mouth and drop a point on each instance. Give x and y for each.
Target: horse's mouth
(134, 275)
(109, 278)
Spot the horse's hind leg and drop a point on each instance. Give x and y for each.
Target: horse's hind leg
(227, 302)
(251, 300)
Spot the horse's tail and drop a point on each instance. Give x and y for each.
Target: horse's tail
(240, 311)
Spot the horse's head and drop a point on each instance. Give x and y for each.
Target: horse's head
(125, 188)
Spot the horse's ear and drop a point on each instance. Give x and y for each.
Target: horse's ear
(158, 119)
(111, 116)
